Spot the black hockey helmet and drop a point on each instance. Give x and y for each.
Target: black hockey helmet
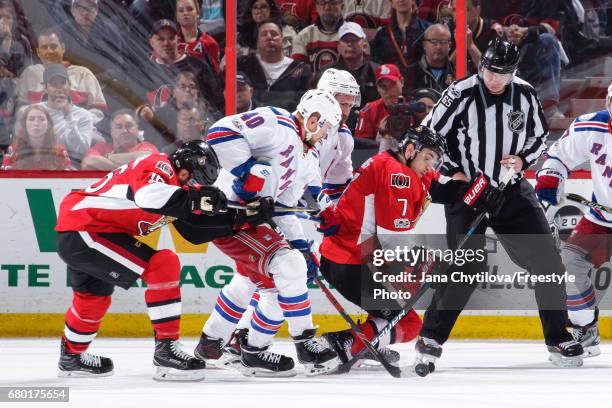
(199, 159)
(421, 137)
(501, 56)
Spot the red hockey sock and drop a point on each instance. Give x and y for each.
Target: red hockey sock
(163, 294)
(405, 330)
(83, 320)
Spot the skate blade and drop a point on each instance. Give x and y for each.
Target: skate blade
(373, 365)
(82, 374)
(173, 374)
(591, 351)
(263, 373)
(329, 367)
(566, 362)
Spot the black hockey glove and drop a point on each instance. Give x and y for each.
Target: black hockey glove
(207, 200)
(259, 211)
(483, 197)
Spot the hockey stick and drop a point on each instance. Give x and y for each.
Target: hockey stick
(423, 289)
(591, 204)
(238, 206)
(393, 370)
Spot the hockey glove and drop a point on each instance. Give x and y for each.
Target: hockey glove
(207, 200)
(259, 211)
(548, 186)
(252, 179)
(312, 269)
(483, 197)
(330, 221)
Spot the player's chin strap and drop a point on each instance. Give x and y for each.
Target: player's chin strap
(429, 268)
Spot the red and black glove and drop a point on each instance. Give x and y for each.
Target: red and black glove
(207, 200)
(483, 197)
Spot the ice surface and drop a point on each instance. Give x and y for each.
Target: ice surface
(470, 374)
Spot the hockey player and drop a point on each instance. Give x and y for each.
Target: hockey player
(386, 196)
(96, 228)
(263, 153)
(589, 245)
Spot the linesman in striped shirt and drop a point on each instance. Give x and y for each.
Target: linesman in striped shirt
(493, 121)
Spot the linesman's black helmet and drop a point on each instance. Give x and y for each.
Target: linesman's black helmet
(501, 56)
(199, 159)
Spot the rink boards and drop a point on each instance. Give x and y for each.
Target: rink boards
(35, 294)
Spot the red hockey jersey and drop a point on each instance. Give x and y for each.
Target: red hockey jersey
(126, 200)
(384, 197)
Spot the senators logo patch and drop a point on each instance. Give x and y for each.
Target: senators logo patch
(165, 168)
(400, 180)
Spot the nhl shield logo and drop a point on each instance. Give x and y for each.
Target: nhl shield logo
(516, 121)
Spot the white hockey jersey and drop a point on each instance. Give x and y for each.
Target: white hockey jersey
(335, 161)
(268, 134)
(589, 138)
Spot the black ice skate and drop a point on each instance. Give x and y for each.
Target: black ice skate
(83, 364)
(427, 352)
(587, 336)
(567, 354)
(259, 362)
(342, 342)
(315, 357)
(173, 364)
(232, 352)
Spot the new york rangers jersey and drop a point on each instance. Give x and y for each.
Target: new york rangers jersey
(130, 199)
(265, 134)
(589, 138)
(335, 161)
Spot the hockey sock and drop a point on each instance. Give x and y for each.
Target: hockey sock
(266, 321)
(297, 312)
(245, 321)
(83, 320)
(405, 330)
(163, 294)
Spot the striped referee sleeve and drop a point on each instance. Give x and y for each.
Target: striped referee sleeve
(537, 132)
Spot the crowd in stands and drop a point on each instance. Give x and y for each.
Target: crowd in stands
(93, 84)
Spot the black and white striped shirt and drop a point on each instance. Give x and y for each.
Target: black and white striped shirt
(481, 128)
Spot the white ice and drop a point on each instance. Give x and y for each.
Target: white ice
(470, 374)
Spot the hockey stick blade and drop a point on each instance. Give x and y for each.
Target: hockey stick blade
(393, 370)
(591, 204)
(423, 289)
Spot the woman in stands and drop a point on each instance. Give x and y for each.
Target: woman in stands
(191, 40)
(35, 146)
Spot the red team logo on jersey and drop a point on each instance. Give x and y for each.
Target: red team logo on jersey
(400, 180)
(164, 167)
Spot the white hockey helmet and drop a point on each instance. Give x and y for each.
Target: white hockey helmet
(318, 101)
(336, 81)
(609, 99)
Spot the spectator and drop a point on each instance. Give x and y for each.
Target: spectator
(85, 90)
(185, 93)
(318, 43)
(352, 47)
(369, 14)
(146, 12)
(72, 125)
(93, 41)
(35, 146)
(8, 102)
(428, 97)
(479, 33)
(372, 118)
(256, 12)
(435, 69)
(244, 94)
(401, 42)
(125, 145)
(298, 13)
(189, 126)
(15, 49)
(429, 10)
(277, 80)
(191, 40)
(212, 20)
(158, 74)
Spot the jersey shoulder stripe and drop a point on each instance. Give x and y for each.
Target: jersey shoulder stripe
(218, 135)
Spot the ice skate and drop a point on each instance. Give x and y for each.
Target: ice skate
(173, 364)
(567, 354)
(587, 336)
(427, 352)
(342, 342)
(315, 357)
(260, 362)
(83, 364)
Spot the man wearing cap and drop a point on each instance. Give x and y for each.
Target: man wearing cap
(352, 50)
(154, 77)
(277, 80)
(389, 83)
(72, 125)
(93, 40)
(244, 94)
(85, 90)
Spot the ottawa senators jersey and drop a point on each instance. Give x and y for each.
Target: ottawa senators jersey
(132, 199)
(385, 197)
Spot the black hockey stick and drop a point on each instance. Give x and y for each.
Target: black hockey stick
(423, 289)
(591, 204)
(393, 370)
